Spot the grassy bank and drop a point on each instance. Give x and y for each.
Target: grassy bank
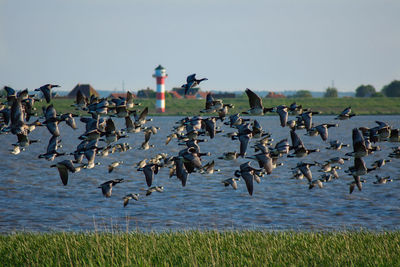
(196, 248)
(361, 106)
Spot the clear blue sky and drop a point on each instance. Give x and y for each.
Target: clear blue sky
(262, 45)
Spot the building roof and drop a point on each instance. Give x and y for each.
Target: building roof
(159, 67)
(175, 94)
(118, 95)
(86, 89)
(275, 95)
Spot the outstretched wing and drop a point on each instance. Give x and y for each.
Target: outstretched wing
(254, 99)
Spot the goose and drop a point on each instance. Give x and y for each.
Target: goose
(282, 147)
(283, 113)
(244, 136)
(336, 145)
(149, 170)
(52, 120)
(180, 170)
(257, 130)
(306, 118)
(210, 104)
(129, 197)
(380, 163)
(305, 169)
(46, 91)
(295, 109)
(359, 146)
(24, 141)
(130, 127)
(170, 137)
(345, 114)
(140, 119)
(208, 168)
(90, 155)
(147, 134)
(106, 187)
(382, 180)
(248, 174)
(81, 101)
(210, 126)
(357, 182)
(229, 155)
(191, 82)
(222, 112)
(51, 152)
(69, 119)
(338, 160)
(322, 130)
(191, 159)
(394, 136)
(297, 174)
(111, 133)
(298, 146)
(64, 167)
(359, 168)
(264, 161)
(114, 165)
(154, 189)
(256, 107)
(231, 182)
(315, 183)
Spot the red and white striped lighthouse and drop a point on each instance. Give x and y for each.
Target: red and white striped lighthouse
(160, 75)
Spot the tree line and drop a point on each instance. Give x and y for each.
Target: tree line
(390, 90)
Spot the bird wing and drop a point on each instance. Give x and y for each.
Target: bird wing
(110, 126)
(209, 101)
(254, 99)
(244, 141)
(283, 116)
(126, 200)
(147, 136)
(296, 141)
(323, 131)
(128, 122)
(63, 175)
(106, 188)
(50, 112)
(149, 174)
(46, 93)
(234, 184)
(191, 78)
(143, 114)
(248, 178)
(52, 146)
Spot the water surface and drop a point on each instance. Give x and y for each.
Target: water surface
(32, 197)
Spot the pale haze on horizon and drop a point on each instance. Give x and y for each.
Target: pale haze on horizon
(262, 45)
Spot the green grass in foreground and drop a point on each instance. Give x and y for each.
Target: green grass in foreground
(198, 248)
(328, 106)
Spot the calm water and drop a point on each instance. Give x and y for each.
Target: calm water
(32, 197)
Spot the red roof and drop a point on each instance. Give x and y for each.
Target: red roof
(202, 94)
(175, 94)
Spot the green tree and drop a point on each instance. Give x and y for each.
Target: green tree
(302, 93)
(365, 91)
(331, 92)
(378, 94)
(392, 89)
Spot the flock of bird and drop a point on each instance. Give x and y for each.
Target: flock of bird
(101, 137)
